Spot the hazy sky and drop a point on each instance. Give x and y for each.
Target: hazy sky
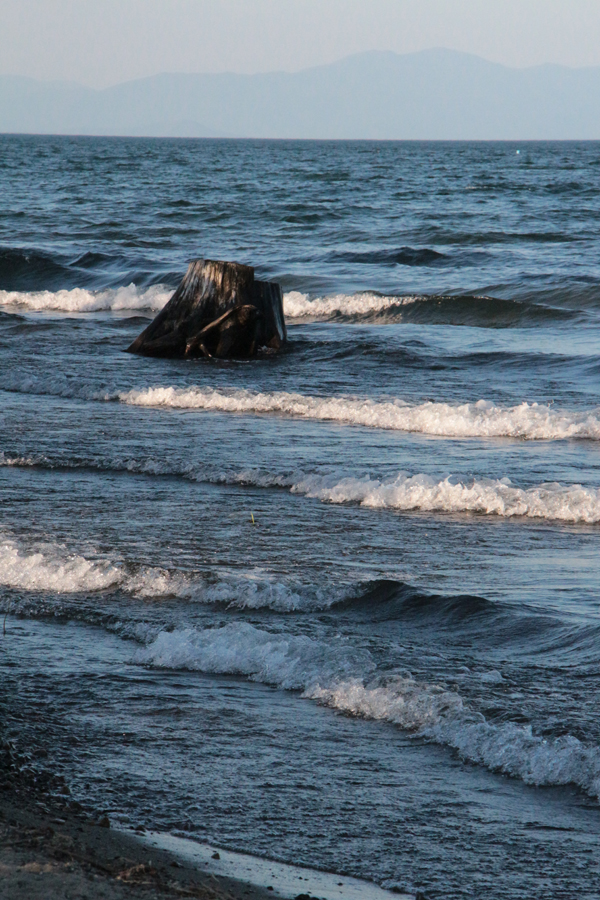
(102, 42)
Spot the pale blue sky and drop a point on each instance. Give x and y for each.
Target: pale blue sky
(102, 42)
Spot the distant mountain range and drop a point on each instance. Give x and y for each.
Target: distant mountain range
(434, 94)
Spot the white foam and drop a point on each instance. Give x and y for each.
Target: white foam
(412, 705)
(335, 675)
(433, 713)
(299, 306)
(531, 421)
(553, 502)
(292, 662)
(47, 569)
(79, 300)
(479, 419)
(258, 592)
(296, 305)
(50, 567)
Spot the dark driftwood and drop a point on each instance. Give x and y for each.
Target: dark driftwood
(268, 299)
(217, 310)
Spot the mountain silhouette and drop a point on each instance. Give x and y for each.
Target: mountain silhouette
(430, 95)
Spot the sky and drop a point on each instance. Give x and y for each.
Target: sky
(104, 42)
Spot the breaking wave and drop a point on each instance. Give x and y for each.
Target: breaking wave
(299, 306)
(342, 678)
(552, 501)
(479, 419)
(531, 421)
(460, 309)
(51, 568)
(481, 311)
(499, 497)
(81, 300)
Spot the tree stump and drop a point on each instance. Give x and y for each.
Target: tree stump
(218, 310)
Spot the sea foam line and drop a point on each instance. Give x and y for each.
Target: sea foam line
(80, 300)
(551, 501)
(477, 419)
(499, 497)
(530, 421)
(341, 677)
(297, 305)
(51, 568)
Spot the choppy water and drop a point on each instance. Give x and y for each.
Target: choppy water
(394, 673)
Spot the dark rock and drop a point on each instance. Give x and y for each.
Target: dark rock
(104, 822)
(216, 855)
(218, 310)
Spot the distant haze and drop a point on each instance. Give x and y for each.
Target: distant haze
(101, 43)
(434, 94)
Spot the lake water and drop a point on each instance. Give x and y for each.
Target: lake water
(337, 607)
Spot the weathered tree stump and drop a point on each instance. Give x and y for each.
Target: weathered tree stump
(218, 310)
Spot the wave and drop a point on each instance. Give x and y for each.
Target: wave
(552, 502)
(51, 568)
(24, 268)
(401, 256)
(33, 270)
(387, 599)
(438, 715)
(362, 307)
(80, 300)
(288, 661)
(342, 678)
(485, 238)
(337, 675)
(297, 305)
(482, 419)
(47, 579)
(459, 309)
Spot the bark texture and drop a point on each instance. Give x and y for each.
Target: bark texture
(218, 310)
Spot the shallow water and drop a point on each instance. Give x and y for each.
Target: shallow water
(393, 673)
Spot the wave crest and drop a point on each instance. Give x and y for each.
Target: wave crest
(552, 502)
(80, 300)
(453, 309)
(297, 305)
(530, 421)
(335, 676)
(51, 568)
